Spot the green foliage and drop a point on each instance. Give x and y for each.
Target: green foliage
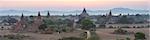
(139, 35)
(42, 27)
(71, 38)
(58, 25)
(48, 22)
(14, 37)
(58, 28)
(10, 20)
(127, 38)
(125, 20)
(120, 31)
(87, 24)
(57, 22)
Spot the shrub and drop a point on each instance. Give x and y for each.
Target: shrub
(127, 38)
(120, 31)
(71, 38)
(139, 36)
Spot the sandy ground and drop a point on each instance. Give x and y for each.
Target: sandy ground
(37, 36)
(105, 34)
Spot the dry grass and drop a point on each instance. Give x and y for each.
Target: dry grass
(105, 34)
(37, 36)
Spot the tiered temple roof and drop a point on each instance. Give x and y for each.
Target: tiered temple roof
(84, 14)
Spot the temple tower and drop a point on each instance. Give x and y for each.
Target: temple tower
(36, 23)
(20, 25)
(84, 14)
(48, 14)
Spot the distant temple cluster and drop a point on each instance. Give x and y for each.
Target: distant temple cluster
(23, 25)
(32, 23)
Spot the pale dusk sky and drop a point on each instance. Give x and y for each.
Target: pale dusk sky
(142, 4)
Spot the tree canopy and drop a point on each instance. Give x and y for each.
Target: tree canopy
(125, 20)
(139, 35)
(87, 24)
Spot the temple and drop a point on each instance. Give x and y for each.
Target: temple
(84, 14)
(20, 25)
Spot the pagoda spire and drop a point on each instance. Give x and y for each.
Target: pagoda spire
(110, 13)
(48, 14)
(84, 11)
(39, 14)
(20, 24)
(63, 15)
(22, 16)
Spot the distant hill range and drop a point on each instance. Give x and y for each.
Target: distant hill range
(77, 11)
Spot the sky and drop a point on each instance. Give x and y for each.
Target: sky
(140, 4)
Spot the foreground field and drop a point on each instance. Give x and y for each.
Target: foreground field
(38, 36)
(105, 34)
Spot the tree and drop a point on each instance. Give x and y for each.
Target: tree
(42, 27)
(125, 20)
(71, 38)
(120, 31)
(87, 24)
(10, 20)
(127, 38)
(139, 36)
(48, 22)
